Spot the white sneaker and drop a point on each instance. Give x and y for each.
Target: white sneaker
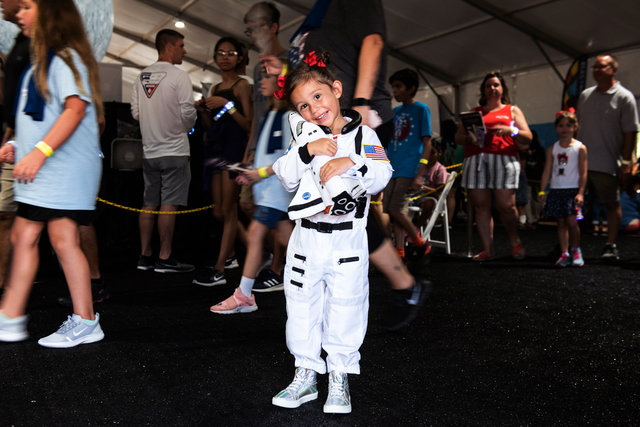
(12, 330)
(339, 399)
(73, 331)
(302, 389)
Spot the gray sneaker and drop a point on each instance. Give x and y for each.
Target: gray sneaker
(304, 388)
(12, 330)
(72, 332)
(339, 399)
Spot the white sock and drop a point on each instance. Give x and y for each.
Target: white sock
(246, 285)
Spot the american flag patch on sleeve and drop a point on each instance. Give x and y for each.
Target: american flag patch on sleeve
(375, 152)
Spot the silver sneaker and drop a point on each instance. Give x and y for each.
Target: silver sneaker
(339, 399)
(304, 388)
(72, 332)
(12, 330)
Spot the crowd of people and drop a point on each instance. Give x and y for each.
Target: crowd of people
(312, 153)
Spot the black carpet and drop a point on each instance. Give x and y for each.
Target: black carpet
(497, 343)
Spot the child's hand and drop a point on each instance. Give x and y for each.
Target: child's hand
(248, 177)
(335, 167)
(323, 146)
(27, 168)
(7, 153)
(542, 198)
(578, 200)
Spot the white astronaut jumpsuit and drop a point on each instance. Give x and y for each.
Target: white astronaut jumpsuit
(326, 273)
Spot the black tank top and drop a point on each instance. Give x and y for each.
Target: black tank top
(227, 94)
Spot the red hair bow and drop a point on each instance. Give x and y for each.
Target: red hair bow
(569, 110)
(280, 92)
(312, 60)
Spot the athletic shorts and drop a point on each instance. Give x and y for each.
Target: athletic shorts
(269, 216)
(604, 187)
(40, 214)
(394, 198)
(487, 171)
(166, 181)
(7, 204)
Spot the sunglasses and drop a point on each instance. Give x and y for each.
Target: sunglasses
(225, 53)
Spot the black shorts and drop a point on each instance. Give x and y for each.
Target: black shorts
(40, 214)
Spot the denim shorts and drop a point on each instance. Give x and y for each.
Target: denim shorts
(269, 216)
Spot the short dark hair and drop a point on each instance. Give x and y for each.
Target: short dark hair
(408, 77)
(166, 36)
(269, 12)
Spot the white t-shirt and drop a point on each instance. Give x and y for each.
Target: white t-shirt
(162, 101)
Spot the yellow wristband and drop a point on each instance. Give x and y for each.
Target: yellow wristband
(233, 110)
(626, 162)
(263, 173)
(45, 148)
(424, 161)
(541, 193)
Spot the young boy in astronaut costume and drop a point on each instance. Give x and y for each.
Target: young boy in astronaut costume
(326, 283)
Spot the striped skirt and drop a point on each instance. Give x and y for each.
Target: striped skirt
(490, 171)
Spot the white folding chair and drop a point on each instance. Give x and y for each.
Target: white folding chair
(440, 210)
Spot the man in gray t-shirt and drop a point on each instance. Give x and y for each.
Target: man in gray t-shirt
(608, 119)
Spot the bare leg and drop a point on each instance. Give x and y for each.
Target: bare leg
(387, 260)
(6, 221)
(506, 205)
(146, 222)
(563, 234)
(25, 236)
(229, 205)
(482, 203)
(166, 226)
(614, 217)
(256, 233)
(65, 239)
(89, 246)
(574, 232)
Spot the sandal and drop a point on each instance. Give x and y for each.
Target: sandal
(518, 252)
(481, 256)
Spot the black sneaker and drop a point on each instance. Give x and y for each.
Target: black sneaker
(268, 281)
(210, 277)
(405, 304)
(171, 265)
(145, 263)
(610, 252)
(99, 293)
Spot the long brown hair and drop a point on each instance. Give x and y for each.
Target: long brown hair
(59, 27)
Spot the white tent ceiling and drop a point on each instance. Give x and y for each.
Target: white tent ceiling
(450, 41)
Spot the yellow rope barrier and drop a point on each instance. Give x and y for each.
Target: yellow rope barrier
(204, 208)
(127, 208)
